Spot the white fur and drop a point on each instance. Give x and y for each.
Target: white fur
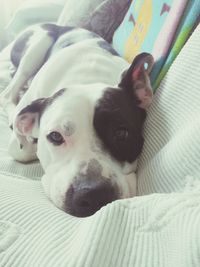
(85, 70)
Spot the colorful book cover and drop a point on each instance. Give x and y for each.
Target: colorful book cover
(189, 21)
(149, 26)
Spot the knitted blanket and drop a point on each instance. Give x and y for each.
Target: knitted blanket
(160, 227)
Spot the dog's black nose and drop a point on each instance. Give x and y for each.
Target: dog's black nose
(86, 197)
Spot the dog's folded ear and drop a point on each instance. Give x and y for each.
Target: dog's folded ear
(136, 80)
(27, 121)
(24, 138)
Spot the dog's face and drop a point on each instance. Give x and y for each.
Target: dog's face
(86, 137)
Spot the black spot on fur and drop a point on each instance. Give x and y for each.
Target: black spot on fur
(19, 47)
(108, 47)
(37, 106)
(54, 30)
(94, 169)
(118, 123)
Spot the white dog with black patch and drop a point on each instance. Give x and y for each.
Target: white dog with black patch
(79, 108)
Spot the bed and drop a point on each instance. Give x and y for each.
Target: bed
(159, 227)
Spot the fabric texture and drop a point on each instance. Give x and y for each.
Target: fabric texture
(172, 149)
(156, 230)
(159, 229)
(33, 12)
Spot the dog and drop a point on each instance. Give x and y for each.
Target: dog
(78, 107)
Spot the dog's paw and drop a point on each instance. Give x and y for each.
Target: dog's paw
(21, 150)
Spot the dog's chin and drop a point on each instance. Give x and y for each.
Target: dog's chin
(56, 188)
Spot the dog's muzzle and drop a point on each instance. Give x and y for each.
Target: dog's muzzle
(84, 198)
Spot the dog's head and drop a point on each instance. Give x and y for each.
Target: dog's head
(86, 137)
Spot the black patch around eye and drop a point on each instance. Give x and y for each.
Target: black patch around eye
(121, 134)
(118, 123)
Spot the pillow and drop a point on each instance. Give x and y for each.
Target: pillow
(33, 12)
(171, 150)
(99, 16)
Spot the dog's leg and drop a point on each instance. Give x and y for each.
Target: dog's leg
(32, 59)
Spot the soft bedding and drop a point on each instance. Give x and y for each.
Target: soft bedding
(159, 229)
(35, 11)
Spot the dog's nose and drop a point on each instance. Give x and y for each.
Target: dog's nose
(85, 198)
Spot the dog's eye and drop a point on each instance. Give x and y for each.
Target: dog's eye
(55, 138)
(121, 134)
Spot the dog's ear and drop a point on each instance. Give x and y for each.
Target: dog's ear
(28, 120)
(136, 80)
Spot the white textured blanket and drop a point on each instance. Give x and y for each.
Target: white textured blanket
(157, 230)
